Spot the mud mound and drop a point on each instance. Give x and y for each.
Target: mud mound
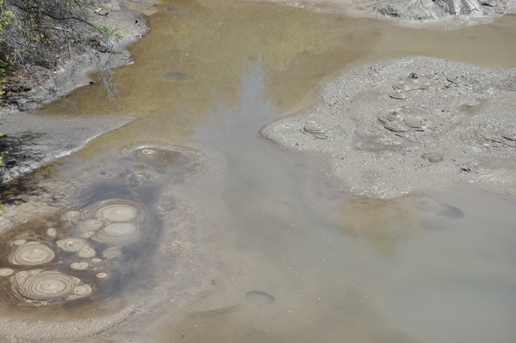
(444, 13)
(409, 124)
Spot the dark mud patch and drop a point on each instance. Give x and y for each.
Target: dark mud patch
(416, 142)
(114, 244)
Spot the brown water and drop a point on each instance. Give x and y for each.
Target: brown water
(298, 260)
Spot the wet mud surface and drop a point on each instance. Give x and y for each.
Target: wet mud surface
(86, 253)
(395, 127)
(32, 141)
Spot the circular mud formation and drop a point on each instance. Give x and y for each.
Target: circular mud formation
(114, 222)
(30, 253)
(40, 287)
(117, 223)
(446, 122)
(105, 251)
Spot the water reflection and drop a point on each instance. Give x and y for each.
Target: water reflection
(454, 283)
(380, 224)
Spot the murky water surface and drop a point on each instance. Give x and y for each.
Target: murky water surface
(297, 260)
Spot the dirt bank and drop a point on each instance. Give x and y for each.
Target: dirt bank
(32, 140)
(395, 127)
(419, 13)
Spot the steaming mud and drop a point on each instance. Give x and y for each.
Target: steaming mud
(412, 123)
(104, 240)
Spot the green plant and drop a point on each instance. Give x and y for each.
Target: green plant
(6, 17)
(46, 33)
(2, 154)
(109, 31)
(5, 69)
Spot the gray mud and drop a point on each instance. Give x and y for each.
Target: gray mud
(32, 140)
(117, 280)
(417, 13)
(395, 127)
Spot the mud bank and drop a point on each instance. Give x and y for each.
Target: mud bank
(395, 127)
(32, 140)
(419, 13)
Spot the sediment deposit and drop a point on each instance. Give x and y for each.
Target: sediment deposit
(394, 127)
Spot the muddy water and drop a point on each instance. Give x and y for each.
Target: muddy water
(296, 259)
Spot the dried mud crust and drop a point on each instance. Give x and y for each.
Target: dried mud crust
(163, 265)
(394, 127)
(444, 13)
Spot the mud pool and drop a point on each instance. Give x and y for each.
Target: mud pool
(187, 226)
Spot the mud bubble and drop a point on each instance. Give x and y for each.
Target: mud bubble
(71, 244)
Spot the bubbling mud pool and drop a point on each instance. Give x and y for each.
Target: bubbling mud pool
(90, 255)
(114, 222)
